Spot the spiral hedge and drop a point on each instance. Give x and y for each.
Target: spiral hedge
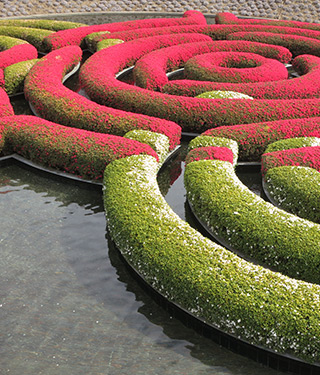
(124, 131)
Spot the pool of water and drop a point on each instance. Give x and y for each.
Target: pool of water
(68, 303)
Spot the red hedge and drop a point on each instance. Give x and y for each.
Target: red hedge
(64, 38)
(304, 87)
(6, 108)
(304, 156)
(253, 139)
(210, 153)
(76, 151)
(230, 18)
(55, 102)
(15, 54)
(150, 70)
(296, 44)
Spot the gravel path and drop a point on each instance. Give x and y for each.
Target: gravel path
(279, 9)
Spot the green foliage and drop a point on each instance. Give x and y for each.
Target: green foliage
(255, 304)
(92, 40)
(206, 140)
(108, 43)
(250, 225)
(15, 74)
(287, 144)
(295, 189)
(158, 142)
(223, 95)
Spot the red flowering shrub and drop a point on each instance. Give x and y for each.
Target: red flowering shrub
(304, 156)
(229, 18)
(5, 105)
(150, 70)
(210, 153)
(55, 102)
(253, 139)
(234, 67)
(75, 36)
(15, 54)
(296, 44)
(306, 86)
(76, 151)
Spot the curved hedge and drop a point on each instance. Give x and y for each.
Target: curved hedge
(254, 138)
(248, 224)
(41, 24)
(6, 108)
(33, 36)
(76, 151)
(150, 70)
(296, 44)
(234, 67)
(295, 189)
(246, 300)
(53, 101)
(15, 74)
(64, 38)
(304, 156)
(17, 53)
(306, 86)
(230, 18)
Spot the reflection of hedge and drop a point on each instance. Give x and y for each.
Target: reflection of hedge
(64, 38)
(248, 224)
(243, 299)
(254, 138)
(52, 100)
(76, 151)
(295, 189)
(306, 86)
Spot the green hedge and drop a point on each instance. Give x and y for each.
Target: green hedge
(250, 225)
(15, 74)
(31, 35)
(295, 189)
(253, 303)
(287, 144)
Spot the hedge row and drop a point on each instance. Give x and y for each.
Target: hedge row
(41, 24)
(234, 67)
(304, 156)
(76, 36)
(55, 102)
(246, 223)
(76, 151)
(33, 36)
(17, 53)
(150, 70)
(297, 142)
(295, 189)
(216, 32)
(254, 138)
(15, 74)
(304, 87)
(230, 18)
(262, 307)
(6, 108)
(296, 44)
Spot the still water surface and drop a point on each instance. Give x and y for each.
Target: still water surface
(68, 304)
